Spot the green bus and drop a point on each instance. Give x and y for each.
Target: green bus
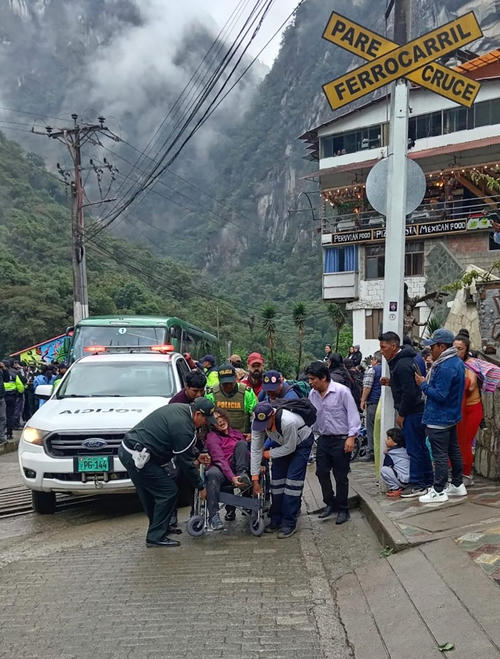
(133, 331)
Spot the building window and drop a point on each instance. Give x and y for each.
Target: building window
(374, 262)
(341, 259)
(373, 323)
(355, 140)
(425, 125)
(414, 259)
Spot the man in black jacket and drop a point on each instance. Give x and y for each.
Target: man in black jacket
(409, 406)
(168, 432)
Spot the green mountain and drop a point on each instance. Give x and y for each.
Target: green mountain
(223, 234)
(124, 277)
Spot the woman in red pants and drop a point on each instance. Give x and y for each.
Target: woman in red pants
(472, 408)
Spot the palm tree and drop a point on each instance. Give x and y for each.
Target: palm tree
(269, 325)
(337, 316)
(299, 319)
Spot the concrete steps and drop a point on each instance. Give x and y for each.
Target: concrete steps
(408, 604)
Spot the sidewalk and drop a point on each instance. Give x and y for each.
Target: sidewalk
(11, 444)
(473, 522)
(437, 580)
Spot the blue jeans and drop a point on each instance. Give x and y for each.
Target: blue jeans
(420, 461)
(287, 482)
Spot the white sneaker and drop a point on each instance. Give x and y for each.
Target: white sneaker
(456, 490)
(434, 497)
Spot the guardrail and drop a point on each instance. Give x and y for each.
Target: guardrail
(454, 209)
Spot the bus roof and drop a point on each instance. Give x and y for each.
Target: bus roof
(143, 321)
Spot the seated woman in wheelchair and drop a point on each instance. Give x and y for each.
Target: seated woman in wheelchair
(230, 465)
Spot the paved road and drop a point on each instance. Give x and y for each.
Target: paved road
(82, 583)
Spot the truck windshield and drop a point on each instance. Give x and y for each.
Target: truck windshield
(90, 335)
(119, 379)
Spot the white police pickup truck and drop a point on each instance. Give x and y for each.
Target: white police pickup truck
(71, 442)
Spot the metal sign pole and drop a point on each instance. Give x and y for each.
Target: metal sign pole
(395, 238)
(397, 182)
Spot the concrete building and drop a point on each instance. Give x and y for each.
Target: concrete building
(457, 148)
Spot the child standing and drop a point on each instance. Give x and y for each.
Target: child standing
(396, 468)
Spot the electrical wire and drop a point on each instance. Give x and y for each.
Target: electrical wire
(210, 112)
(192, 82)
(158, 169)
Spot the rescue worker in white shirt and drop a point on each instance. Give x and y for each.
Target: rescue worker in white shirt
(292, 441)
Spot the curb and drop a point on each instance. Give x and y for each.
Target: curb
(386, 531)
(353, 502)
(10, 446)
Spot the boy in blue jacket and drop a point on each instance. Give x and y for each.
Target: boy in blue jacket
(396, 468)
(444, 389)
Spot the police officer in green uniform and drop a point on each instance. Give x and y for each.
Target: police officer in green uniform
(235, 398)
(168, 432)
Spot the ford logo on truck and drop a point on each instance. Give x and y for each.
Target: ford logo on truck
(94, 443)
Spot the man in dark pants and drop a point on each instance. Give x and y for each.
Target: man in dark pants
(169, 431)
(409, 405)
(337, 424)
(194, 387)
(369, 401)
(444, 389)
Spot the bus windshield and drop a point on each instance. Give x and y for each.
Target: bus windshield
(89, 335)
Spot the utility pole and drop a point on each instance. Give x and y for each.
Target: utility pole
(396, 210)
(74, 138)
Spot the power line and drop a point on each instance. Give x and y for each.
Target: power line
(184, 96)
(211, 110)
(159, 168)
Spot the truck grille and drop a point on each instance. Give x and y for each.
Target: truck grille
(60, 445)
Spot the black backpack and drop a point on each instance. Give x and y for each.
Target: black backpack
(301, 406)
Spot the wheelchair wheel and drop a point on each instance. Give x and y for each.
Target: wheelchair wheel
(196, 526)
(257, 526)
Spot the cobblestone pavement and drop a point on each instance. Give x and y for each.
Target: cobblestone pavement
(84, 585)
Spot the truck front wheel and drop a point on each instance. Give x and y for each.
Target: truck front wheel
(44, 502)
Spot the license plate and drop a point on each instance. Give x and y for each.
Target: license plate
(93, 463)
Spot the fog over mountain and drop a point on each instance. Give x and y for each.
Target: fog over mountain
(129, 60)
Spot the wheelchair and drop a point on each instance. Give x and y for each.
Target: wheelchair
(198, 522)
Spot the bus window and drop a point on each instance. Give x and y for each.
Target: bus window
(175, 332)
(187, 342)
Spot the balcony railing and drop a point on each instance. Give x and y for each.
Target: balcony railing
(454, 209)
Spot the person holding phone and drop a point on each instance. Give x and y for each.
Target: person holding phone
(409, 404)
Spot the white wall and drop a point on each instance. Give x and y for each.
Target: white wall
(422, 101)
(367, 346)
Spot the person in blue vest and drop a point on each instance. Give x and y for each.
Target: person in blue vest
(369, 401)
(275, 386)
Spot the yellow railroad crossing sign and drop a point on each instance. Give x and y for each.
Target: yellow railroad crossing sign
(414, 60)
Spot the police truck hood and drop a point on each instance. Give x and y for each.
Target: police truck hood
(106, 413)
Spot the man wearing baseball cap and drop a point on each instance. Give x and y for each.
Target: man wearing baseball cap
(233, 397)
(443, 389)
(255, 363)
(292, 441)
(208, 367)
(275, 386)
(168, 432)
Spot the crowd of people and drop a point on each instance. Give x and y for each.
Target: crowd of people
(437, 398)
(244, 422)
(18, 401)
(240, 419)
